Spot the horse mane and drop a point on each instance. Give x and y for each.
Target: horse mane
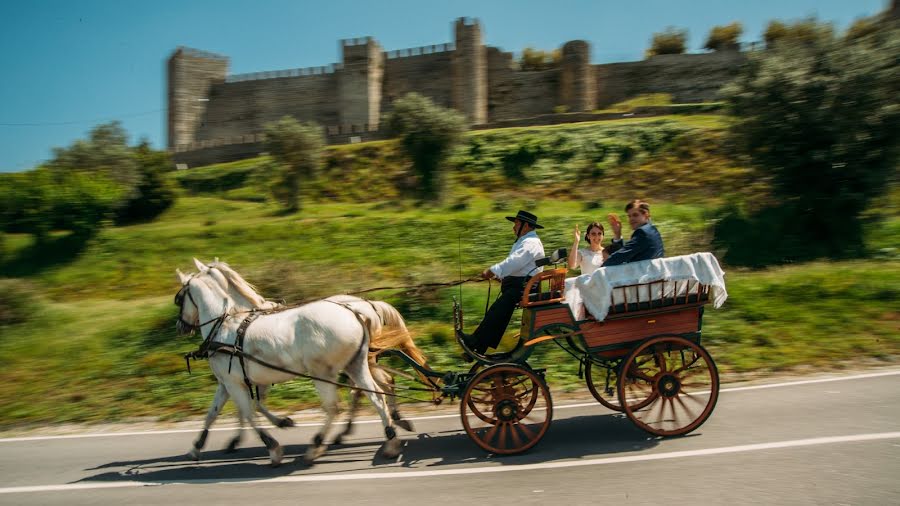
(241, 285)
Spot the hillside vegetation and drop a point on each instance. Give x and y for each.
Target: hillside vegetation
(88, 335)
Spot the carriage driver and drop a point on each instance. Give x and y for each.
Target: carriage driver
(514, 273)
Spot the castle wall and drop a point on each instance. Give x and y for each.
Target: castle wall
(514, 94)
(426, 74)
(687, 77)
(213, 112)
(244, 107)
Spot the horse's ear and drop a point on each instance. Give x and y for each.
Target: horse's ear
(200, 266)
(181, 276)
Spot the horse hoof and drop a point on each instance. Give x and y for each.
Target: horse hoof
(276, 454)
(194, 454)
(405, 425)
(339, 439)
(232, 446)
(391, 448)
(313, 453)
(285, 423)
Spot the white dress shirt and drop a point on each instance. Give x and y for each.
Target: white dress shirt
(520, 261)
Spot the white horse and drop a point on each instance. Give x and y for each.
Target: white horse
(388, 332)
(320, 339)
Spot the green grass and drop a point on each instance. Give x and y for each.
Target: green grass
(100, 345)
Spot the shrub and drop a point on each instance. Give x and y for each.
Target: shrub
(18, 302)
(724, 37)
(671, 41)
(536, 59)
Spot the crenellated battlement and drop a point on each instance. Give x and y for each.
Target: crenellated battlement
(199, 53)
(275, 74)
(421, 50)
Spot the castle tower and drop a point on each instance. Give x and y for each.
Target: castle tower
(577, 89)
(470, 71)
(190, 73)
(359, 82)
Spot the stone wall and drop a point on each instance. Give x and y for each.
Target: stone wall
(244, 107)
(687, 77)
(513, 94)
(426, 74)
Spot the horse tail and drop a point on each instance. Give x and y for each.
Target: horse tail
(395, 335)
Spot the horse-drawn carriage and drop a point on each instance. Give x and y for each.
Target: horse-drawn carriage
(644, 358)
(638, 346)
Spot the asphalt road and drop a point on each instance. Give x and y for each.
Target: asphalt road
(815, 440)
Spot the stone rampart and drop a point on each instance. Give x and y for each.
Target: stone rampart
(244, 107)
(687, 77)
(427, 74)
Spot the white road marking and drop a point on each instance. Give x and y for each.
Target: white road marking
(432, 417)
(855, 438)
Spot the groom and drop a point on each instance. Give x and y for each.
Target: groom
(645, 242)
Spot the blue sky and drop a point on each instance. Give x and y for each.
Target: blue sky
(69, 65)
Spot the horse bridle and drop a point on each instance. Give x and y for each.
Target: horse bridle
(179, 301)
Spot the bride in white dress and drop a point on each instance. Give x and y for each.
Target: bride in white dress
(587, 260)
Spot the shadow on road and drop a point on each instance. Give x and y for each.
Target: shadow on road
(568, 439)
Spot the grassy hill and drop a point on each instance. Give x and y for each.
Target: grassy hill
(88, 329)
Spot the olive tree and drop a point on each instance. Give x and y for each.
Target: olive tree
(428, 134)
(297, 147)
(818, 116)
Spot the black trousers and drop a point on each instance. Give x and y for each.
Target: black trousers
(492, 327)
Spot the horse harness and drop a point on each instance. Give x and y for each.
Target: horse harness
(209, 347)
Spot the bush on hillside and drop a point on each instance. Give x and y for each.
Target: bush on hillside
(155, 192)
(428, 134)
(297, 147)
(42, 200)
(819, 117)
(18, 302)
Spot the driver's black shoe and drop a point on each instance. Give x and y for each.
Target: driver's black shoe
(470, 342)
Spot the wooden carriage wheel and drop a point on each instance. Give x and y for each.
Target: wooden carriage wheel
(603, 383)
(506, 409)
(675, 382)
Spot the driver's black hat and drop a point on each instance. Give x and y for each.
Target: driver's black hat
(526, 217)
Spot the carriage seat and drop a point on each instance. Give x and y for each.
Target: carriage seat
(547, 287)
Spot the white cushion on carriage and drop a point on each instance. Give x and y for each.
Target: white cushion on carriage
(681, 275)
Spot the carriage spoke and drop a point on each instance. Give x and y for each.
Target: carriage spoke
(514, 434)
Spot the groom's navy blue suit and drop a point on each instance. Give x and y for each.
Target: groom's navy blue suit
(645, 244)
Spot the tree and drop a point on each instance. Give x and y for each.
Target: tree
(155, 193)
(862, 27)
(428, 134)
(724, 37)
(536, 59)
(671, 41)
(818, 116)
(105, 152)
(807, 31)
(297, 147)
